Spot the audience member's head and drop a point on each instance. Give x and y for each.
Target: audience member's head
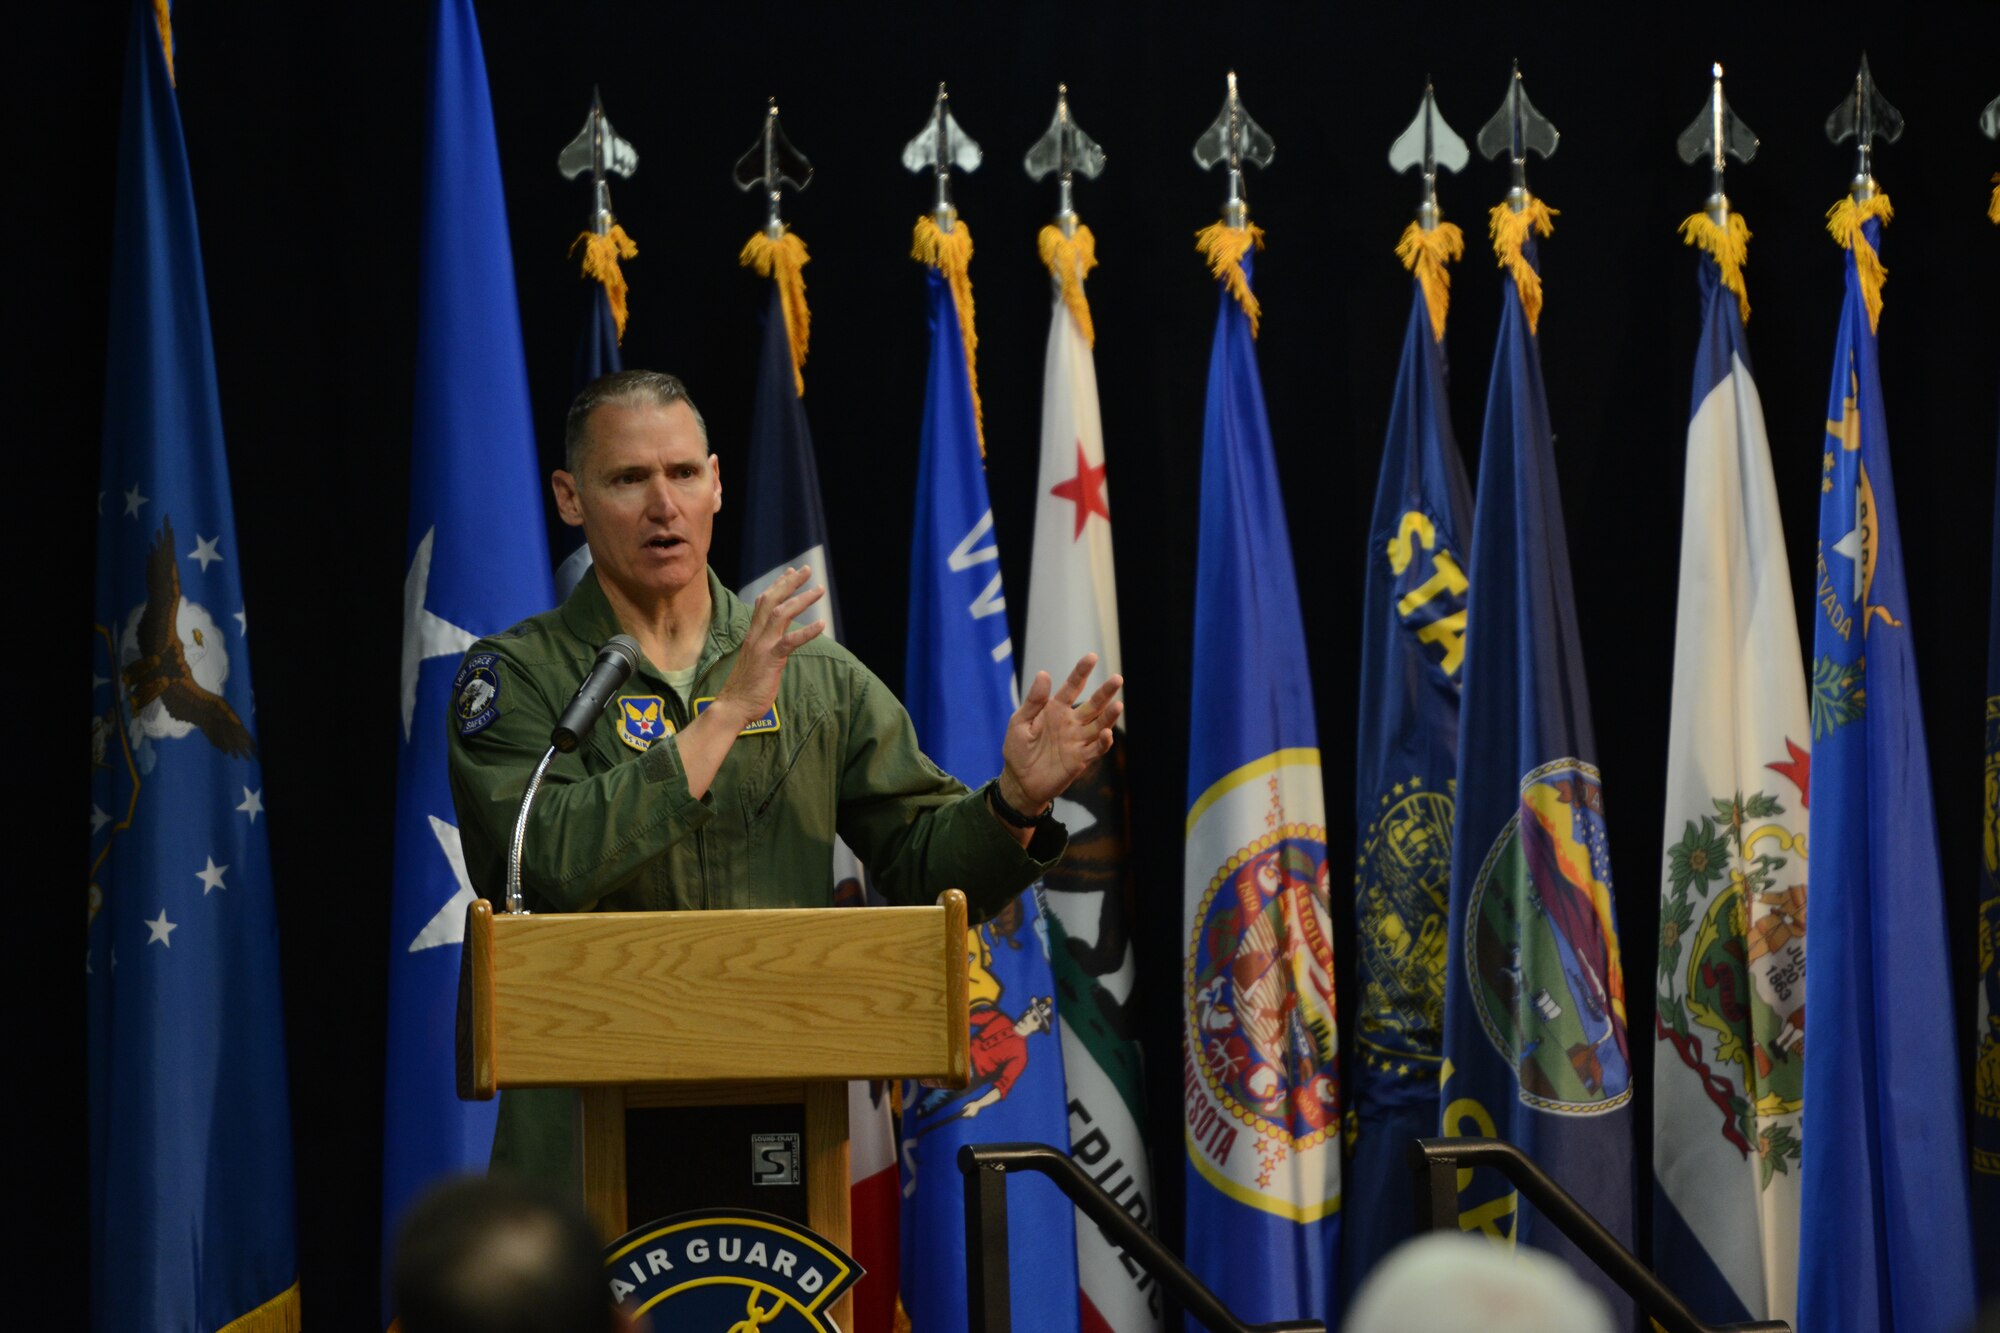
(495, 1254)
(1449, 1282)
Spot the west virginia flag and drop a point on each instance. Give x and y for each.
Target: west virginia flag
(1886, 1242)
(1729, 1063)
(1261, 1073)
(1406, 769)
(960, 690)
(1536, 1050)
(191, 1223)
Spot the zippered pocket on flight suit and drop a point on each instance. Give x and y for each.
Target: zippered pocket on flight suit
(757, 812)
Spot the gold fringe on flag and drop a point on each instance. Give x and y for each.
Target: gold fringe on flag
(950, 253)
(163, 14)
(1069, 260)
(600, 261)
(783, 261)
(1730, 249)
(1223, 247)
(1510, 234)
(1843, 223)
(280, 1314)
(1425, 253)
(1993, 204)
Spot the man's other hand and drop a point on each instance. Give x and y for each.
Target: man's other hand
(1051, 738)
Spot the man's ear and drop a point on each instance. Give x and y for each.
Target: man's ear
(567, 503)
(715, 473)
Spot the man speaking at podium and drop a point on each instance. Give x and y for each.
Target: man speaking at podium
(741, 745)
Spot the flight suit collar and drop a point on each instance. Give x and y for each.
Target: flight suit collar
(587, 614)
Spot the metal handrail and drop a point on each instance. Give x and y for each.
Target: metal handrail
(988, 1295)
(1437, 1163)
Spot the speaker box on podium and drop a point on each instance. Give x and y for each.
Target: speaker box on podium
(701, 1039)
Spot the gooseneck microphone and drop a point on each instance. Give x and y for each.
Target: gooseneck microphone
(614, 666)
(616, 661)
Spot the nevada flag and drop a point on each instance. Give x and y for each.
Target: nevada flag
(1885, 1244)
(191, 1223)
(1729, 1059)
(478, 562)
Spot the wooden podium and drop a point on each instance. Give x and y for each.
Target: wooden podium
(642, 1010)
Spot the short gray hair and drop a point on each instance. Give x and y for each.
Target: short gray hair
(624, 386)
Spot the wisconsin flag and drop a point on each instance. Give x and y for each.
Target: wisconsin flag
(191, 1221)
(959, 685)
(1885, 1243)
(1261, 1072)
(1729, 1064)
(1073, 610)
(1536, 1050)
(787, 527)
(477, 561)
(1406, 769)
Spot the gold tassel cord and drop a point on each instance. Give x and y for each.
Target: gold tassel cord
(1510, 235)
(1223, 247)
(1425, 253)
(1993, 204)
(600, 261)
(163, 14)
(1843, 223)
(783, 260)
(950, 253)
(280, 1314)
(1069, 260)
(1730, 248)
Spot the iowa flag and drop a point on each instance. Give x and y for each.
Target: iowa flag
(1261, 1072)
(1729, 1063)
(1885, 1244)
(1406, 765)
(1536, 1050)
(1073, 610)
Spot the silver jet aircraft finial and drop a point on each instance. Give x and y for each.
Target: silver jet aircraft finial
(599, 151)
(1516, 130)
(773, 164)
(1236, 139)
(1064, 151)
(1428, 144)
(938, 147)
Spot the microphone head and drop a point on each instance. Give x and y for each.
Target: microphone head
(627, 650)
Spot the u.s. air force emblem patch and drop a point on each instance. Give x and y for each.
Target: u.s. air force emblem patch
(1541, 949)
(739, 1269)
(475, 695)
(642, 719)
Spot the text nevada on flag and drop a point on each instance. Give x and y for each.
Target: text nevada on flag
(959, 685)
(1073, 610)
(1884, 1192)
(1536, 1050)
(1406, 768)
(191, 1201)
(1261, 1041)
(1729, 1063)
(477, 562)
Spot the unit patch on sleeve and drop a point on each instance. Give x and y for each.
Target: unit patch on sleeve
(475, 695)
(642, 719)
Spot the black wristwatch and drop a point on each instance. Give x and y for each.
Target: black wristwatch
(1009, 815)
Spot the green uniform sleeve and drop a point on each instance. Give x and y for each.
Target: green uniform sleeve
(590, 833)
(918, 829)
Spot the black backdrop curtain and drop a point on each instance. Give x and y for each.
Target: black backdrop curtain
(304, 127)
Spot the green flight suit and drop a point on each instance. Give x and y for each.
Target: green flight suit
(615, 828)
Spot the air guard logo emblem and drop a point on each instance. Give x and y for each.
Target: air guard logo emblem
(642, 719)
(721, 1271)
(762, 726)
(1542, 952)
(475, 695)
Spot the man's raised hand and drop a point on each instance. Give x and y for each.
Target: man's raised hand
(753, 685)
(1051, 739)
